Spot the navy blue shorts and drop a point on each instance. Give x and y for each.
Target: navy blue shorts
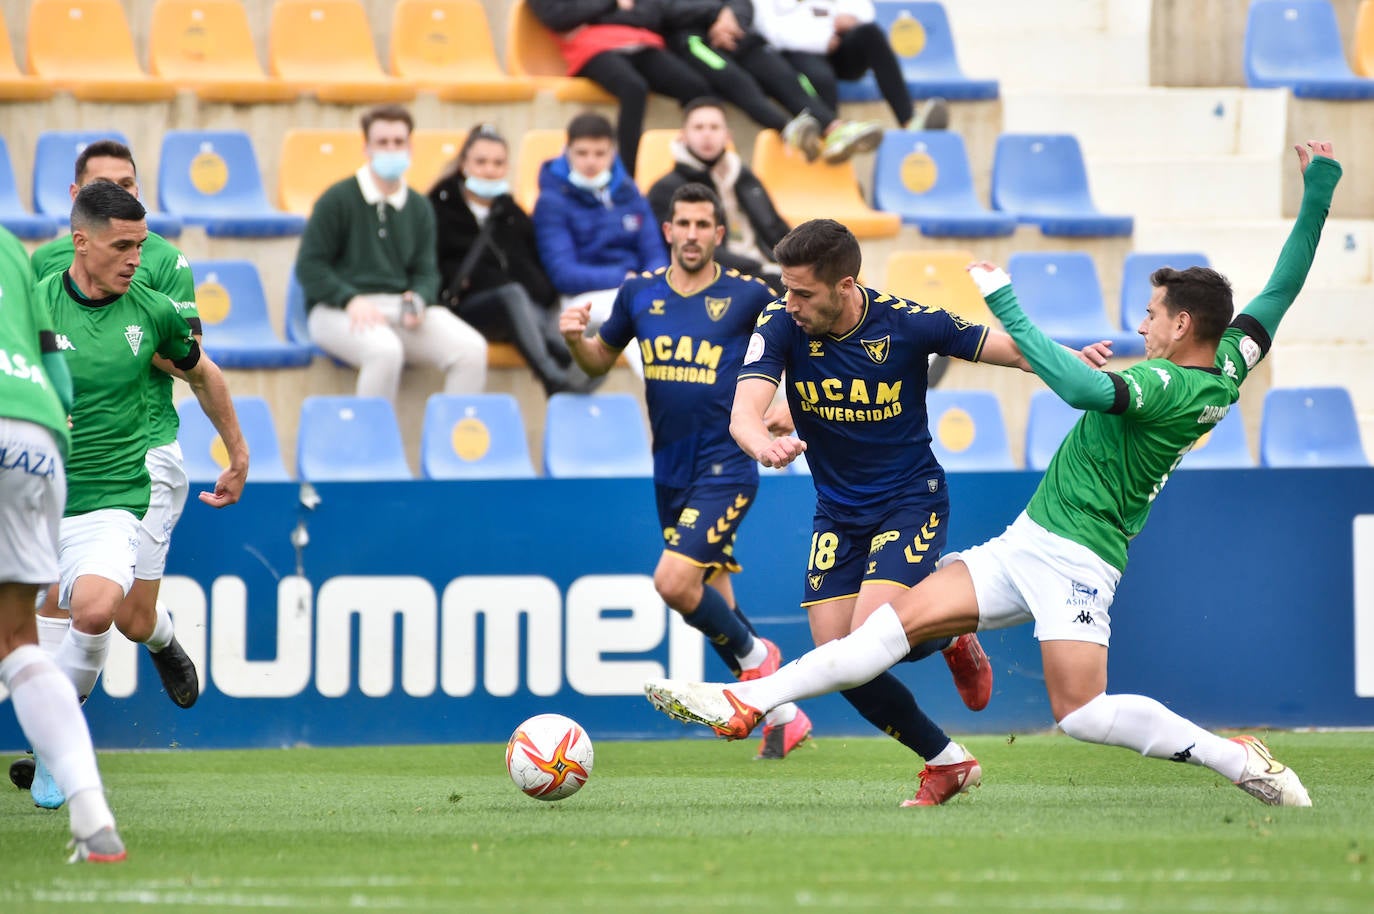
(700, 522)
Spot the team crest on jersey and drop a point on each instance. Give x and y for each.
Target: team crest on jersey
(815, 348)
(878, 349)
(716, 307)
(134, 334)
(656, 306)
(815, 580)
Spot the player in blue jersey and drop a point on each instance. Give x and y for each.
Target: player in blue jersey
(692, 321)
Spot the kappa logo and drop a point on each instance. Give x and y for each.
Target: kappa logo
(64, 342)
(1183, 755)
(656, 306)
(1164, 375)
(815, 580)
(182, 263)
(716, 307)
(1084, 618)
(134, 334)
(1228, 368)
(815, 346)
(878, 349)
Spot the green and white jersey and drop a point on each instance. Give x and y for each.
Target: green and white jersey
(25, 391)
(164, 268)
(109, 345)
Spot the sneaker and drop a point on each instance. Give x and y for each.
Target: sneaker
(1267, 779)
(21, 772)
(44, 789)
(971, 670)
(767, 668)
(803, 133)
(933, 115)
(780, 739)
(850, 138)
(102, 847)
(178, 674)
(940, 782)
(704, 703)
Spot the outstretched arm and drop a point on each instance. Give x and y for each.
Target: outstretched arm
(207, 383)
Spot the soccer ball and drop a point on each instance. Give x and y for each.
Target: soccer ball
(549, 757)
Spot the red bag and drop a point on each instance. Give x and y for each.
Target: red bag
(582, 44)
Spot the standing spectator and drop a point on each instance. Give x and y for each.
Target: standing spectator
(366, 264)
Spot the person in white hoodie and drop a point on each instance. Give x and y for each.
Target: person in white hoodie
(830, 40)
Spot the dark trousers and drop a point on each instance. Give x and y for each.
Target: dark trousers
(753, 77)
(508, 314)
(630, 77)
(862, 48)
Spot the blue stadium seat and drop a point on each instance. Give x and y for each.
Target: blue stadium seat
(925, 178)
(13, 216)
(1223, 448)
(1061, 294)
(1296, 44)
(967, 430)
(476, 436)
(297, 327)
(54, 164)
(349, 439)
(1135, 280)
(920, 35)
(233, 310)
(1040, 179)
(1047, 423)
(203, 451)
(595, 435)
(211, 179)
(1310, 427)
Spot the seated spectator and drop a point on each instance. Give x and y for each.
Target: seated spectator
(828, 40)
(366, 264)
(703, 156)
(592, 226)
(488, 265)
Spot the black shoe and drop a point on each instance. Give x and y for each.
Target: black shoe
(178, 674)
(21, 772)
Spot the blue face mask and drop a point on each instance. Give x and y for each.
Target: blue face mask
(389, 166)
(486, 188)
(595, 182)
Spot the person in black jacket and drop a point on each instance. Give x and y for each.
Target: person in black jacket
(490, 270)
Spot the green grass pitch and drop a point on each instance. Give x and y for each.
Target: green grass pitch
(695, 825)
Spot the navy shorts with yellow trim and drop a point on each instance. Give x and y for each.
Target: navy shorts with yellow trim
(901, 546)
(699, 523)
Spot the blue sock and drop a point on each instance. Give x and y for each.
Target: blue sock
(888, 704)
(926, 648)
(726, 629)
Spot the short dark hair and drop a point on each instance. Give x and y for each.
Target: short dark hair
(828, 247)
(100, 201)
(1201, 291)
(389, 112)
(702, 101)
(590, 125)
(695, 192)
(102, 149)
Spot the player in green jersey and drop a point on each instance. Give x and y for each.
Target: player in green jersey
(35, 392)
(1059, 563)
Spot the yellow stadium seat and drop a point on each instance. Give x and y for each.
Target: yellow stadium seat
(655, 157)
(86, 48)
(311, 160)
(16, 86)
(1363, 53)
(326, 46)
(207, 46)
(532, 51)
(536, 148)
(431, 151)
(815, 190)
(938, 278)
(445, 46)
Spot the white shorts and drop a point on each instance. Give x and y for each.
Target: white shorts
(168, 500)
(33, 492)
(1029, 573)
(104, 543)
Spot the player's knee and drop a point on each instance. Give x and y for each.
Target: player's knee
(1090, 722)
(680, 592)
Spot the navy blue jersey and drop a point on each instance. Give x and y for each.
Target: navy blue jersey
(859, 400)
(693, 347)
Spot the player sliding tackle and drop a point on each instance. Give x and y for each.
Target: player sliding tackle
(1060, 561)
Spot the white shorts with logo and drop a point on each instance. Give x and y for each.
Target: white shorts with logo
(104, 543)
(1030, 574)
(170, 488)
(33, 492)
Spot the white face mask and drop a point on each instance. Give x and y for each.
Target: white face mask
(389, 166)
(597, 181)
(486, 188)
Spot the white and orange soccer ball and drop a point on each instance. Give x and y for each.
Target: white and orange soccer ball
(549, 757)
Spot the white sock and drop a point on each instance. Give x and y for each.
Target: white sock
(52, 631)
(782, 715)
(841, 664)
(45, 703)
(755, 657)
(82, 657)
(950, 755)
(1143, 724)
(162, 631)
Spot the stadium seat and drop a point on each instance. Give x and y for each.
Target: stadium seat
(938, 278)
(1047, 423)
(1061, 294)
(925, 178)
(804, 190)
(13, 216)
(211, 179)
(1296, 44)
(311, 160)
(1040, 179)
(207, 46)
(920, 35)
(349, 439)
(233, 310)
(203, 450)
(478, 436)
(86, 48)
(431, 151)
(655, 158)
(326, 46)
(536, 147)
(1135, 280)
(967, 430)
(14, 85)
(595, 435)
(445, 47)
(1310, 427)
(532, 52)
(1223, 448)
(54, 164)
(1363, 46)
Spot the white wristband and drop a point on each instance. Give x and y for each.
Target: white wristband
(989, 281)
